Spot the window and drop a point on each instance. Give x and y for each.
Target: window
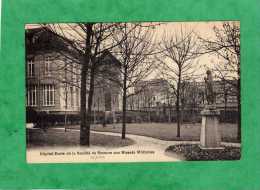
(47, 65)
(72, 71)
(48, 95)
(65, 91)
(71, 97)
(31, 95)
(77, 97)
(30, 68)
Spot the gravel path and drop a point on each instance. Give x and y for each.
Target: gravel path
(145, 149)
(149, 143)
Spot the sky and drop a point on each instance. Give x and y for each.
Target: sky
(202, 29)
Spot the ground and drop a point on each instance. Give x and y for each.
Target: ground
(58, 137)
(158, 137)
(167, 131)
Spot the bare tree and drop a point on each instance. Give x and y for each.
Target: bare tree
(226, 45)
(89, 40)
(134, 52)
(179, 50)
(191, 98)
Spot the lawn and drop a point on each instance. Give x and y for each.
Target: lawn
(167, 131)
(57, 137)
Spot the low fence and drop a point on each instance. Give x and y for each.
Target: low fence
(51, 119)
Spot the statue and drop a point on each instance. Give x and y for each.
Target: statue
(210, 96)
(210, 136)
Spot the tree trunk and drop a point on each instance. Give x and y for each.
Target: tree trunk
(90, 99)
(178, 107)
(84, 130)
(124, 105)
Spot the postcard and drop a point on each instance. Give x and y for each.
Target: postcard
(132, 92)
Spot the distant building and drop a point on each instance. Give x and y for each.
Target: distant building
(225, 93)
(158, 93)
(107, 94)
(53, 76)
(151, 93)
(157, 98)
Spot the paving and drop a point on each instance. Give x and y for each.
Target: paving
(145, 149)
(149, 143)
(159, 145)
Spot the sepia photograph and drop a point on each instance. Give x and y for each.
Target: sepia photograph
(132, 92)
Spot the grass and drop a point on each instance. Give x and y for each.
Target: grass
(167, 131)
(192, 152)
(57, 137)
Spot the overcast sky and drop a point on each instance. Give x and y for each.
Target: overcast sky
(203, 29)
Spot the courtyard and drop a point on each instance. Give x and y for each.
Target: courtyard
(159, 137)
(166, 131)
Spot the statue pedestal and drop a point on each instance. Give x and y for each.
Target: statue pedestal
(210, 137)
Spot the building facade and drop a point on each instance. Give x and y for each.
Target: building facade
(53, 76)
(156, 97)
(150, 94)
(225, 94)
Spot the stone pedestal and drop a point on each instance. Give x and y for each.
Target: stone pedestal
(210, 137)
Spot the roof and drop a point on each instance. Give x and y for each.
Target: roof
(43, 39)
(155, 82)
(107, 55)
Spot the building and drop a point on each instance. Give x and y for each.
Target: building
(53, 76)
(225, 94)
(149, 94)
(157, 98)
